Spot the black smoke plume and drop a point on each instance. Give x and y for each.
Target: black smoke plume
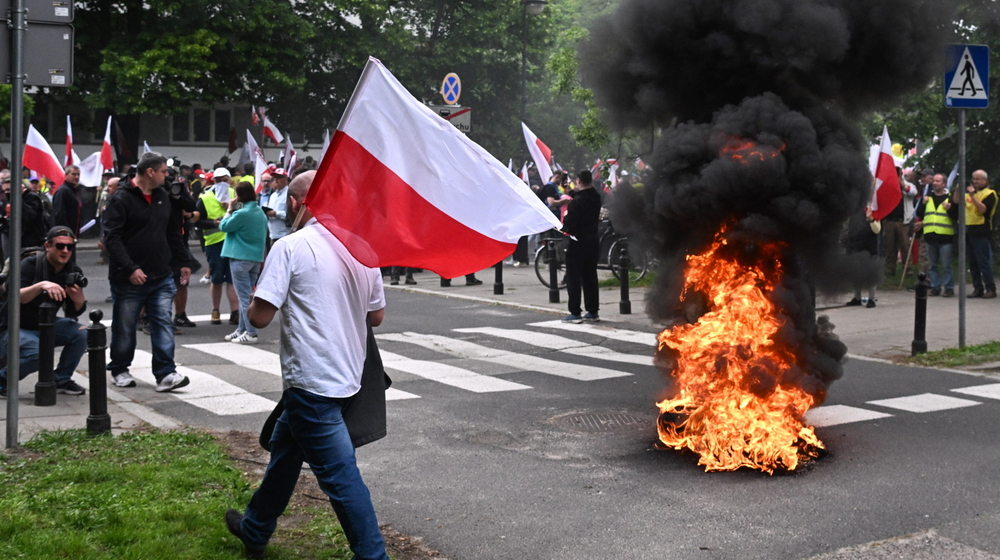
(756, 102)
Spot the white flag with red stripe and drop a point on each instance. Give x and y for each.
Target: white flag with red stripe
(402, 186)
(887, 192)
(39, 157)
(290, 157)
(540, 153)
(107, 157)
(70, 158)
(524, 173)
(272, 132)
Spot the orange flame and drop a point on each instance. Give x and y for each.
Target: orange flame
(745, 151)
(730, 407)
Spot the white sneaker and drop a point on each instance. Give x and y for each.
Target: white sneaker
(246, 338)
(235, 334)
(123, 380)
(204, 280)
(172, 381)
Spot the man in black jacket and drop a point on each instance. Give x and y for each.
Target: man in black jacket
(66, 203)
(141, 244)
(582, 218)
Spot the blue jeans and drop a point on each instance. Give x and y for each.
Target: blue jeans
(67, 334)
(981, 263)
(157, 297)
(312, 429)
(245, 275)
(942, 275)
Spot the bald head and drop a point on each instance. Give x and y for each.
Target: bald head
(299, 187)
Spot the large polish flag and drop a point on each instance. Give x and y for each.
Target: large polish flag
(402, 186)
(540, 153)
(887, 191)
(70, 158)
(107, 158)
(38, 156)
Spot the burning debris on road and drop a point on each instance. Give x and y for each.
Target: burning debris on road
(758, 168)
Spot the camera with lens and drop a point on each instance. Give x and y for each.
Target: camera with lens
(76, 279)
(176, 188)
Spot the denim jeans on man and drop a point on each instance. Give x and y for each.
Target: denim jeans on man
(157, 297)
(67, 334)
(939, 257)
(312, 429)
(981, 263)
(245, 275)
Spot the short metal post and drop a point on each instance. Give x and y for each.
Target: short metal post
(45, 388)
(919, 345)
(624, 306)
(553, 252)
(99, 421)
(498, 279)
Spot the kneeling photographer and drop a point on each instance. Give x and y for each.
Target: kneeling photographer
(50, 274)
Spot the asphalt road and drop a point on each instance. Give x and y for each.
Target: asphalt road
(528, 441)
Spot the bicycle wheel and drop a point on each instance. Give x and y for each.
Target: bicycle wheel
(542, 267)
(638, 261)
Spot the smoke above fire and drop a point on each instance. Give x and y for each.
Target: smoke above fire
(755, 105)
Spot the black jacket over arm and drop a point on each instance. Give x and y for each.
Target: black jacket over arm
(139, 234)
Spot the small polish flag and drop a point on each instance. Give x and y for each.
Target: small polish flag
(291, 156)
(71, 158)
(91, 170)
(254, 117)
(107, 158)
(145, 147)
(402, 186)
(272, 132)
(540, 153)
(887, 192)
(38, 156)
(524, 172)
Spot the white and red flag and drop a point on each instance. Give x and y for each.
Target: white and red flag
(70, 158)
(540, 153)
(887, 192)
(402, 186)
(290, 157)
(39, 157)
(107, 157)
(524, 173)
(254, 117)
(272, 131)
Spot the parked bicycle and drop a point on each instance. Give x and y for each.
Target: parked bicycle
(543, 257)
(611, 248)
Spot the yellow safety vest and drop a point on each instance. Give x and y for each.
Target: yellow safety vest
(213, 210)
(936, 219)
(973, 218)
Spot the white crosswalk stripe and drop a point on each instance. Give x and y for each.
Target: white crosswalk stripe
(646, 339)
(470, 350)
(562, 344)
(836, 414)
(927, 402)
(991, 391)
(449, 375)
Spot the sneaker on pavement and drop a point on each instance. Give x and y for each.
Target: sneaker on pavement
(181, 320)
(934, 292)
(410, 282)
(233, 521)
(234, 334)
(572, 319)
(246, 338)
(854, 301)
(123, 380)
(171, 381)
(949, 293)
(234, 317)
(474, 282)
(216, 317)
(591, 318)
(70, 388)
(990, 294)
(204, 280)
(871, 303)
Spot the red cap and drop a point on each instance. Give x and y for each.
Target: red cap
(279, 172)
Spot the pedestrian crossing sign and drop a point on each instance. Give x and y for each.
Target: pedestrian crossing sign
(967, 80)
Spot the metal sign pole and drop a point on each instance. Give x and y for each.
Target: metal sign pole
(14, 251)
(961, 229)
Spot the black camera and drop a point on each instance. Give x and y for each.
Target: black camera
(176, 188)
(76, 279)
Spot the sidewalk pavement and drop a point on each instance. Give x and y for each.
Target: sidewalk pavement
(883, 332)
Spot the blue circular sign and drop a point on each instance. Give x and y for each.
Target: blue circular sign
(451, 89)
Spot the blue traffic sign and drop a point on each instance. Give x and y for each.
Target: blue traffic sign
(967, 77)
(451, 89)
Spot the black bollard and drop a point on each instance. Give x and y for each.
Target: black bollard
(498, 279)
(553, 252)
(919, 345)
(99, 421)
(45, 388)
(625, 305)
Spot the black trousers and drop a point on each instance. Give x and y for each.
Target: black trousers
(581, 275)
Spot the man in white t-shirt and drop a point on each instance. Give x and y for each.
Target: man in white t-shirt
(325, 297)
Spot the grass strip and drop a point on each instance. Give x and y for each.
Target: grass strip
(648, 280)
(147, 496)
(957, 357)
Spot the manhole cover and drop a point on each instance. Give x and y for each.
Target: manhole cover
(606, 422)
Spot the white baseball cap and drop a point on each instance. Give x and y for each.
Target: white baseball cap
(221, 172)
